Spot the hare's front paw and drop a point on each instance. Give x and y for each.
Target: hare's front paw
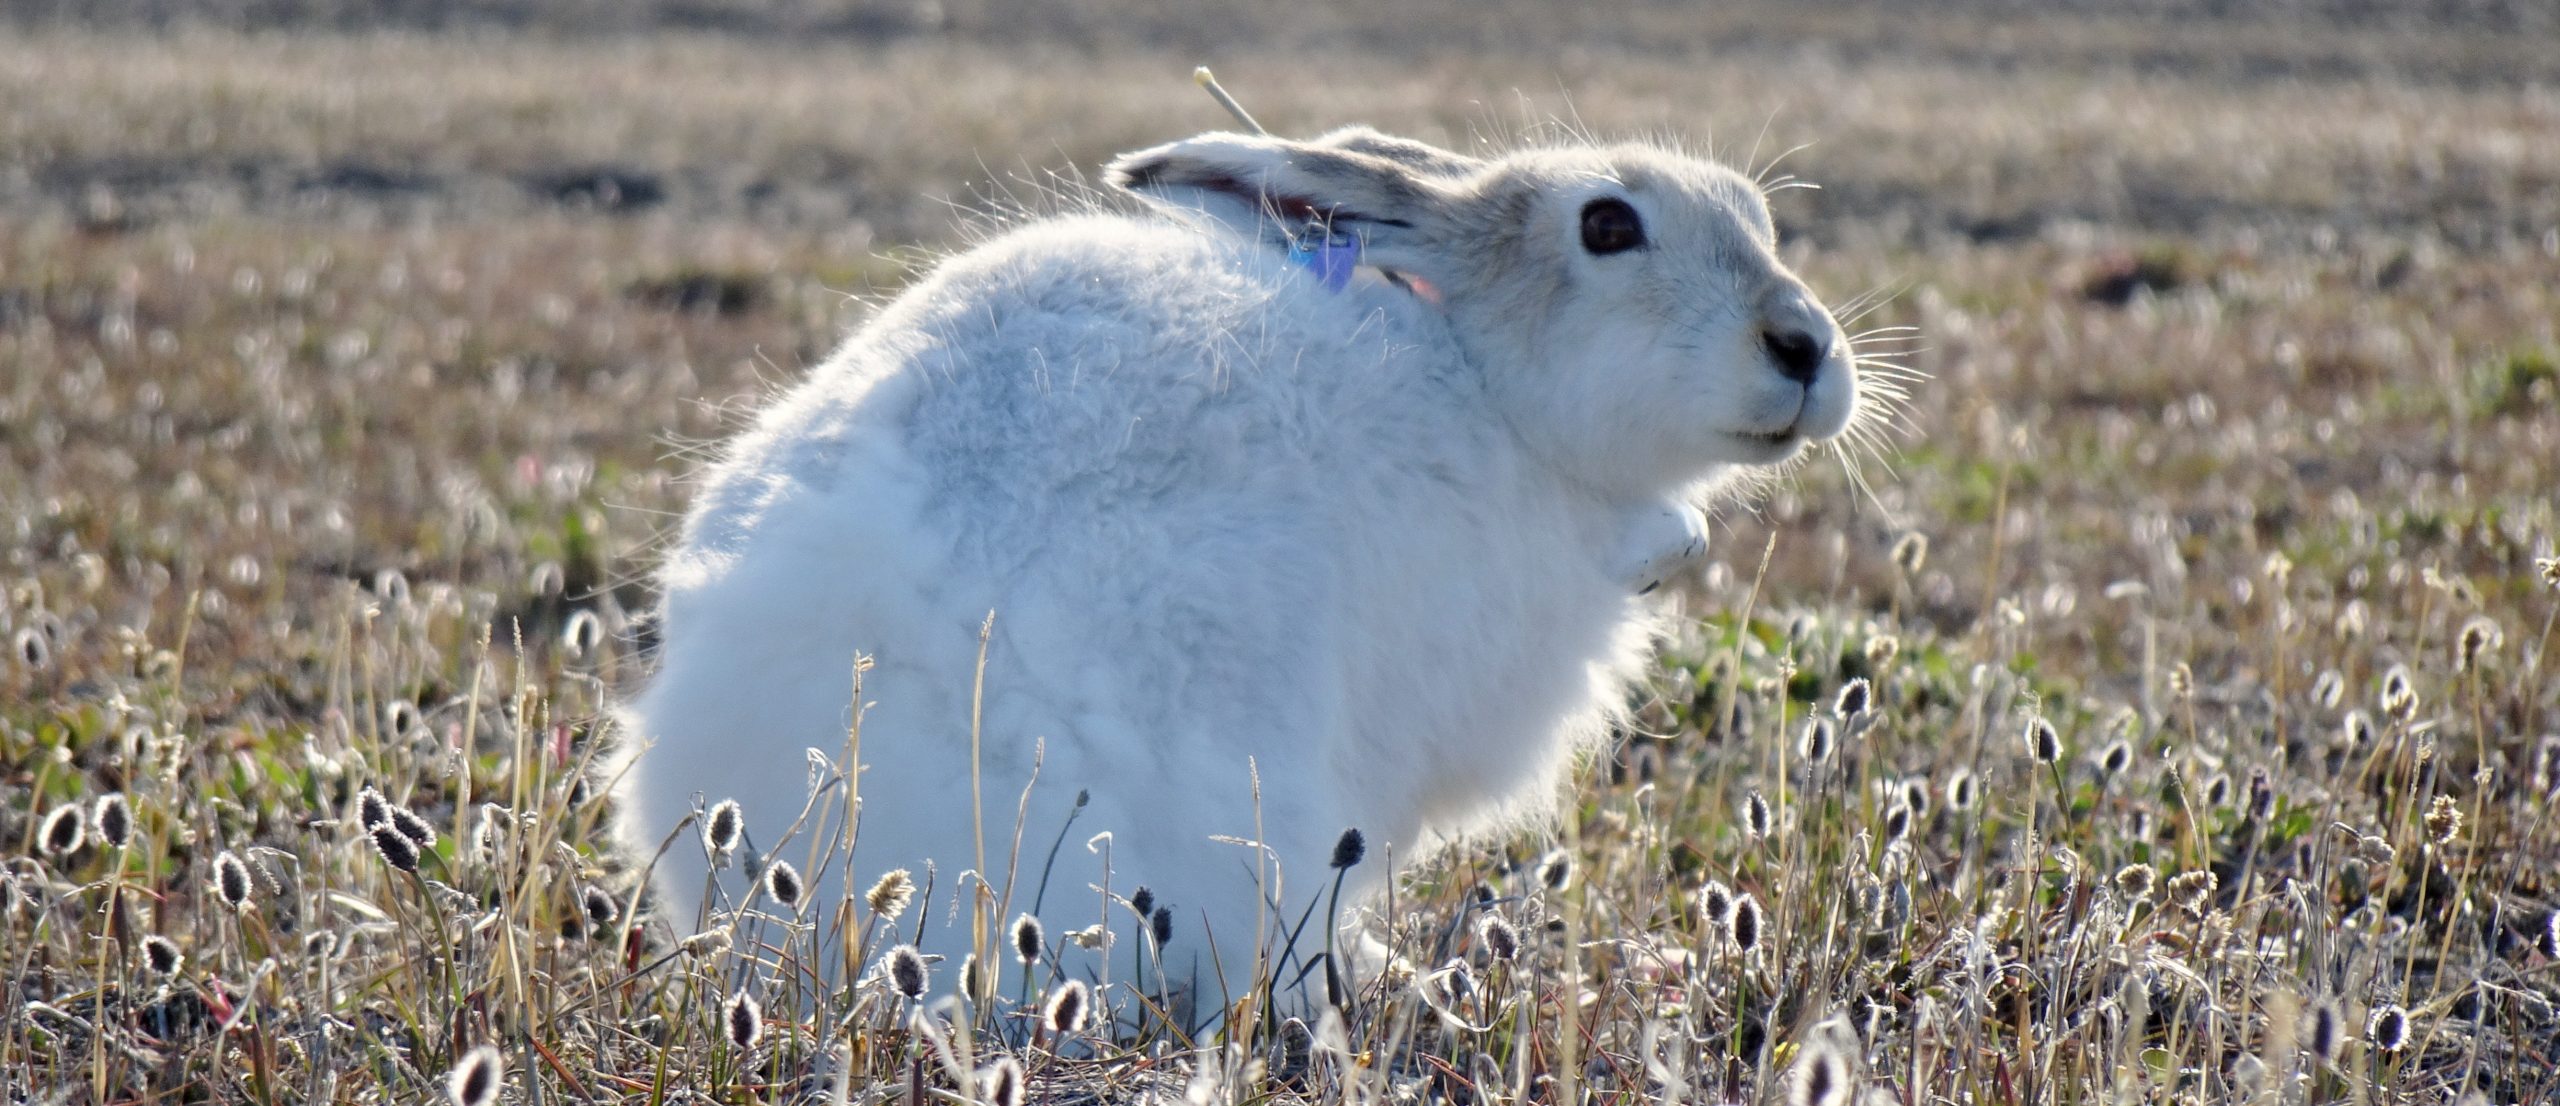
(1660, 540)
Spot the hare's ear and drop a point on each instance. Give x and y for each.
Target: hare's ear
(1421, 157)
(1274, 189)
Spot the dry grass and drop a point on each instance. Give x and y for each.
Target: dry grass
(336, 399)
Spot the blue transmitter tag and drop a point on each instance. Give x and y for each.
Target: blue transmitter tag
(1331, 257)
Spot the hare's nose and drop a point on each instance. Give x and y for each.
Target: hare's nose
(1799, 354)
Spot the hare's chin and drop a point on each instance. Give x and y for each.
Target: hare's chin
(1752, 448)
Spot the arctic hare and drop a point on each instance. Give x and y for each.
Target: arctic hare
(1342, 467)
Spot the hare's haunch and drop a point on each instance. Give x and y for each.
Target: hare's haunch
(1382, 540)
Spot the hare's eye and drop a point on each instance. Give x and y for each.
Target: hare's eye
(1610, 226)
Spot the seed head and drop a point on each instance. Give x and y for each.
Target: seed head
(2399, 697)
(782, 884)
(2217, 791)
(1501, 941)
(1027, 940)
(906, 971)
(2042, 742)
(709, 942)
(396, 848)
(1910, 553)
(1820, 737)
(1744, 924)
(1068, 1007)
(35, 651)
(1348, 849)
(372, 809)
(1881, 649)
(231, 880)
(2262, 794)
(1000, 1083)
(1160, 925)
(1143, 901)
(1821, 1080)
(2193, 891)
(2116, 757)
(1963, 790)
(1555, 870)
(743, 1019)
(475, 1081)
(1897, 823)
(2136, 881)
(161, 955)
(64, 830)
(2444, 820)
(974, 983)
(1915, 794)
(2357, 730)
(2329, 689)
(2548, 941)
(600, 908)
(1755, 816)
(2480, 636)
(721, 830)
(2182, 680)
(2388, 1028)
(411, 826)
(1715, 902)
(2549, 568)
(1854, 699)
(114, 817)
(890, 894)
(2327, 1028)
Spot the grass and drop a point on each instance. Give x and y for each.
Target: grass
(341, 406)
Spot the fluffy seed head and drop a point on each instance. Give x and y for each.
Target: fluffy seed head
(1755, 816)
(2217, 791)
(1911, 553)
(2549, 568)
(782, 884)
(2182, 681)
(372, 809)
(35, 653)
(1963, 790)
(1160, 925)
(1915, 794)
(721, 830)
(1501, 941)
(1897, 823)
(1027, 939)
(2399, 697)
(2136, 881)
(1555, 870)
(2357, 730)
(1143, 901)
(64, 830)
(2116, 757)
(2192, 891)
(743, 1020)
(1715, 901)
(1000, 1083)
(2444, 820)
(1744, 924)
(2043, 743)
(2327, 1029)
(599, 907)
(161, 955)
(396, 848)
(1822, 1079)
(2329, 689)
(2262, 794)
(1348, 849)
(231, 880)
(1819, 737)
(411, 826)
(906, 971)
(114, 817)
(2388, 1028)
(1854, 699)
(2548, 941)
(890, 894)
(1068, 1008)
(2480, 636)
(475, 1080)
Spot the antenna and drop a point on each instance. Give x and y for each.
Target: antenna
(1209, 81)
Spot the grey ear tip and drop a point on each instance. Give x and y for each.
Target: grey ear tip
(1133, 171)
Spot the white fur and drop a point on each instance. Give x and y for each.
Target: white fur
(1383, 549)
